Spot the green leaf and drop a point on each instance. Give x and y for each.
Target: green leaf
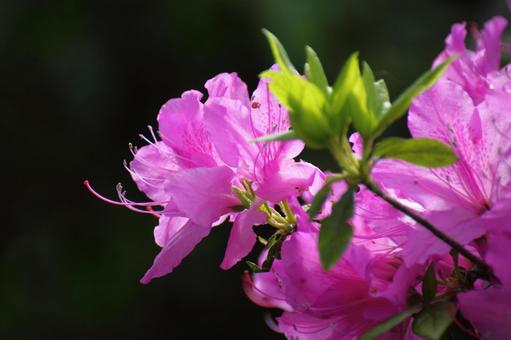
(426, 152)
(383, 93)
(399, 107)
(390, 323)
(279, 53)
(319, 199)
(314, 70)
(336, 233)
(373, 101)
(306, 105)
(377, 94)
(350, 72)
(287, 135)
(434, 320)
(363, 118)
(429, 284)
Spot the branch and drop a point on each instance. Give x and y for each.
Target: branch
(434, 230)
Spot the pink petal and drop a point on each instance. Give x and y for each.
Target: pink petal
(303, 223)
(357, 144)
(489, 311)
(440, 111)
(228, 85)
(267, 114)
(242, 237)
(464, 70)
(177, 248)
(455, 41)
(167, 228)
(456, 223)
(416, 184)
(376, 219)
(306, 282)
(264, 290)
(150, 168)
(498, 256)
(490, 42)
(203, 194)
(306, 326)
(181, 128)
(227, 122)
(292, 178)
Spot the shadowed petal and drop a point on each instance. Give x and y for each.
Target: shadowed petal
(242, 237)
(176, 249)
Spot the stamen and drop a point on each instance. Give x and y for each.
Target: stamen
(153, 212)
(144, 138)
(124, 202)
(144, 179)
(133, 149)
(129, 204)
(152, 133)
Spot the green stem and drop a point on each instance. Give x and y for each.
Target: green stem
(435, 231)
(290, 216)
(341, 151)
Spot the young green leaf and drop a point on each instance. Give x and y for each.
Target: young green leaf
(373, 101)
(336, 233)
(319, 199)
(287, 135)
(433, 321)
(350, 72)
(314, 70)
(383, 93)
(399, 107)
(306, 106)
(390, 323)
(377, 93)
(364, 119)
(429, 284)
(279, 53)
(426, 152)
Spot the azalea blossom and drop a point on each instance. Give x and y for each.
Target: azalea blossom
(213, 160)
(478, 72)
(472, 197)
(469, 201)
(364, 288)
(205, 159)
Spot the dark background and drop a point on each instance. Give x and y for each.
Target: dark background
(81, 79)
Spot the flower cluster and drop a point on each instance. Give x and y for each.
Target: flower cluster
(395, 245)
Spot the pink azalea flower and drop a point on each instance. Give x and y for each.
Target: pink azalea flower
(474, 70)
(469, 110)
(205, 150)
(469, 198)
(361, 290)
(234, 124)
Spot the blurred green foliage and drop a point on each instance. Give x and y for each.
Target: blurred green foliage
(80, 79)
